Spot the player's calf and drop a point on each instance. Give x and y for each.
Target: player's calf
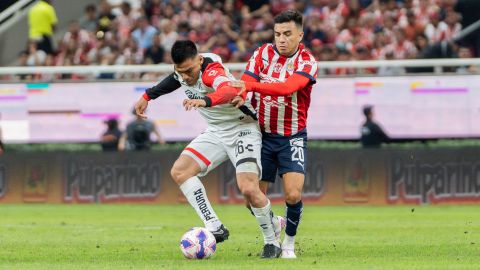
(261, 208)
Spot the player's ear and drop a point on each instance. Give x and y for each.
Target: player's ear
(300, 35)
(200, 59)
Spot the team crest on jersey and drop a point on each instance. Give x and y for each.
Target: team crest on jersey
(290, 66)
(277, 68)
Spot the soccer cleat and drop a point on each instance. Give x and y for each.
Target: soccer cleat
(279, 224)
(271, 251)
(288, 253)
(221, 234)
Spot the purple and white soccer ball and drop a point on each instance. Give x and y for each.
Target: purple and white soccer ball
(198, 243)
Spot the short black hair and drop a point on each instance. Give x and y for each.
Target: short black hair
(112, 123)
(90, 7)
(183, 50)
(289, 16)
(367, 110)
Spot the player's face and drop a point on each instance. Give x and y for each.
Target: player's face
(287, 37)
(190, 69)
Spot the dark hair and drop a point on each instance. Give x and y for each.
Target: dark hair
(367, 110)
(90, 7)
(112, 124)
(183, 50)
(288, 16)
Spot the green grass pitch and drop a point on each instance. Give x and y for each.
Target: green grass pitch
(147, 237)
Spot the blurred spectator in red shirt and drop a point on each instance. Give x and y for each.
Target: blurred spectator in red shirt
(412, 28)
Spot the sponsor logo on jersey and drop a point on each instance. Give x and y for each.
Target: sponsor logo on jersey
(192, 95)
(305, 63)
(267, 101)
(244, 133)
(265, 79)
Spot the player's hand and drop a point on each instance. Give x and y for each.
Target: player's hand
(188, 104)
(140, 107)
(240, 85)
(237, 101)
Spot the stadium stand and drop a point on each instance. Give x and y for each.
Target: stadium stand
(142, 31)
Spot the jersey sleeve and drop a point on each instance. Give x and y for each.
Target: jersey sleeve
(294, 83)
(167, 85)
(255, 64)
(214, 76)
(307, 66)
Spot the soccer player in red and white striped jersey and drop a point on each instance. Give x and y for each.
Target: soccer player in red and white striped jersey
(281, 76)
(282, 111)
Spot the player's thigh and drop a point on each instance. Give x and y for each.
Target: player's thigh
(243, 147)
(292, 156)
(269, 162)
(207, 151)
(184, 168)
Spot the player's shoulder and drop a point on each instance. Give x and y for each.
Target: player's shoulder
(306, 54)
(212, 67)
(266, 46)
(211, 61)
(211, 57)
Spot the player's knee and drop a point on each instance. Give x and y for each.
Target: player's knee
(263, 186)
(248, 186)
(248, 191)
(292, 197)
(178, 175)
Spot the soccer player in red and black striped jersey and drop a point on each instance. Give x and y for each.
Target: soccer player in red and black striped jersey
(281, 76)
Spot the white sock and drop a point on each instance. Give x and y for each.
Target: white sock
(196, 195)
(264, 217)
(288, 242)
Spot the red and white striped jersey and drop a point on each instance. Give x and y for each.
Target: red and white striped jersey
(282, 115)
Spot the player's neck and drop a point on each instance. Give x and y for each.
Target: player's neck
(289, 54)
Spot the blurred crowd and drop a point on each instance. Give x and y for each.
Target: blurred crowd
(143, 31)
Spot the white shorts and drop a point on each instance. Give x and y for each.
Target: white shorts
(241, 145)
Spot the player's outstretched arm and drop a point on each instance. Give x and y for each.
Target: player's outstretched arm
(167, 85)
(293, 84)
(223, 95)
